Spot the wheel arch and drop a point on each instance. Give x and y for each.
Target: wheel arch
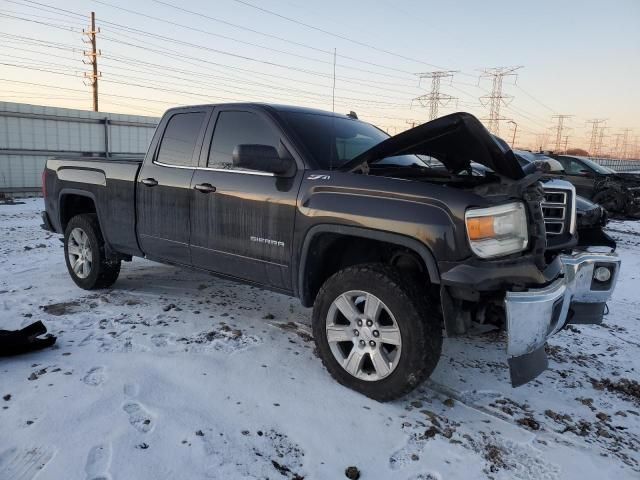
(307, 282)
(72, 202)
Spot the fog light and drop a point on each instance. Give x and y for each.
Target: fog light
(602, 274)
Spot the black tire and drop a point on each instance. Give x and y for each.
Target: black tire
(103, 272)
(419, 323)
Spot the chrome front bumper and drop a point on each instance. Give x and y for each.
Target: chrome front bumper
(536, 314)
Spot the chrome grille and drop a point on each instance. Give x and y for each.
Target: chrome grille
(554, 210)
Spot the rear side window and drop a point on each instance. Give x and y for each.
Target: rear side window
(571, 166)
(238, 128)
(179, 140)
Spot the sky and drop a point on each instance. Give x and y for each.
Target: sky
(578, 58)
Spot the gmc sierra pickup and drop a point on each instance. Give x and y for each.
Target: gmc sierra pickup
(388, 251)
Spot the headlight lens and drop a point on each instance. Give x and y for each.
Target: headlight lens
(497, 231)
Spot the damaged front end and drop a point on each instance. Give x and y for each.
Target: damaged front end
(527, 269)
(579, 295)
(534, 296)
(619, 194)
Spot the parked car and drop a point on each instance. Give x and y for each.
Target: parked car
(329, 209)
(591, 217)
(618, 193)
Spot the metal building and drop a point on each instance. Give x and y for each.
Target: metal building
(29, 134)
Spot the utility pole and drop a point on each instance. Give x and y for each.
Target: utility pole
(559, 128)
(93, 59)
(566, 143)
(496, 99)
(434, 98)
(595, 127)
(412, 123)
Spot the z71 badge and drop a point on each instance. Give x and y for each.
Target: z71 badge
(318, 177)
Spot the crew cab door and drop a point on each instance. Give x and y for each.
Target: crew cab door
(164, 186)
(242, 221)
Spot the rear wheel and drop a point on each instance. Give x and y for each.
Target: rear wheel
(85, 255)
(374, 333)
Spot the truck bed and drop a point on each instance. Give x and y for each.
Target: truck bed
(110, 183)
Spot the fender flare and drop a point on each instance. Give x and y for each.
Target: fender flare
(82, 193)
(384, 236)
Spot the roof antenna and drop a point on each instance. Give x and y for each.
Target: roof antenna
(333, 109)
(334, 82)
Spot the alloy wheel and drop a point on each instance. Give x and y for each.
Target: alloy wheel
(363, 335)
(79, 253)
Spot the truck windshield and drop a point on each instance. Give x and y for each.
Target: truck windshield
(333, 141)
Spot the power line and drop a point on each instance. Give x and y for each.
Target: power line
(244, 42)
(218, 51)
(57, 87)
(496, 98)
(535, 99)
(169, 53)
(276, 37)
(327, 32)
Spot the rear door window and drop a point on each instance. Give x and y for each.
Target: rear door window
(180, 138)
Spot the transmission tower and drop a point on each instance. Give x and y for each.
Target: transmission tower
(496, 98)
(541, 140)
(434, 98)
(601, 136)
(626, 144)
(615, 146)
(595, 128)
(93, 59)
(559, 129)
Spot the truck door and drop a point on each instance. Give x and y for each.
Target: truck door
(164, 187)
(242, 221)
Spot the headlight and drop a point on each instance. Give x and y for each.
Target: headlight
(497, 231)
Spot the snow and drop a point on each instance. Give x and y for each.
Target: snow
(175, 374)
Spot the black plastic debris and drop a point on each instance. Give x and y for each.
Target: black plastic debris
(29, 339)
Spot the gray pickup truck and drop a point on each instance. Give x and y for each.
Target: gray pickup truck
(389, 251)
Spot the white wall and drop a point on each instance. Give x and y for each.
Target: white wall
(29, 134)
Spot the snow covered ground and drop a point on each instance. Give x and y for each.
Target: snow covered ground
(173, 374)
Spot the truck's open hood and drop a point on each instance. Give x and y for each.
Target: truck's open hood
(456, 140)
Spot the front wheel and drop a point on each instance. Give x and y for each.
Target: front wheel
(85, 256)
(374, 333)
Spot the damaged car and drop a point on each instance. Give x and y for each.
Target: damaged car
(618, 193)
(390, 253)
(591, 217)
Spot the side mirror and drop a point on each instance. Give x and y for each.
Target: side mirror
(263, 158)
(584, 173)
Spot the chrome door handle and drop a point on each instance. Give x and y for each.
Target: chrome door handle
(150, 182)
(205, 188)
